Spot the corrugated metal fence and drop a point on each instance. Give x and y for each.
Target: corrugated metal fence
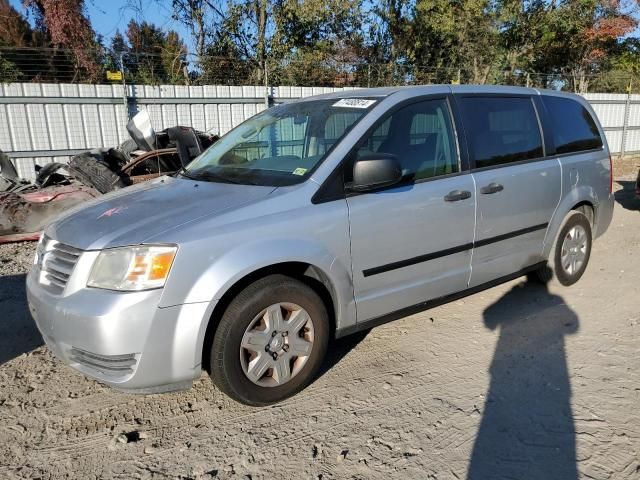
(40, 123)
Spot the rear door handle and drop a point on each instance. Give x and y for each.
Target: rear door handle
(492, 188)
(455, 195)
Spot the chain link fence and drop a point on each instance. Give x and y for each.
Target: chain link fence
(51, 65)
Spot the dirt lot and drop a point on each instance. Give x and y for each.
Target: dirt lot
(516, 382)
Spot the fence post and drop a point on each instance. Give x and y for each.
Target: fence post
(266, 85)
(625, 125)
(124, 87)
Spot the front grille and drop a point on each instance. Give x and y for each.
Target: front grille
(112, 365)
(57, 262)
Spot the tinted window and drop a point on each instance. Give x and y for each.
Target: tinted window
(501, 130)
(421, 136)
(573, 128)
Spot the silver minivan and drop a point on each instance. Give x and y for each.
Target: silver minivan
(316, 219)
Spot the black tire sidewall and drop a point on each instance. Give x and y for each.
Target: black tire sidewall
(226, 369)
(93, 171)
(575, 218)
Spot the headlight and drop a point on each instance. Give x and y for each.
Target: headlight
(132, 268)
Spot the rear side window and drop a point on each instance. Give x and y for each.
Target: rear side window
(572, 126)
(501, 129)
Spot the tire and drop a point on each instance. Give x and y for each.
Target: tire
(128, 146)
(553, 267)
(96, 173)
(576, 222)
(241, 324)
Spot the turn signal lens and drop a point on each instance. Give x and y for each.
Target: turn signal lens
(132, 268)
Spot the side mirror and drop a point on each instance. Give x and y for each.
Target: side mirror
(375, 170)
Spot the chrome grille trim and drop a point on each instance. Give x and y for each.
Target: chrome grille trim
(57, 262)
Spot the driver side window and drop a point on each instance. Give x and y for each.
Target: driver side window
(421, 136)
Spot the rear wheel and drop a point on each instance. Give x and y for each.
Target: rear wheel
(570, 252)
(572, 249)
(270, 342)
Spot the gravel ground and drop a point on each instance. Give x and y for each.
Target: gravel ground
(517, 382)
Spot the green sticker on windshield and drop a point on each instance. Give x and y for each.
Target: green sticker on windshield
(300, 171)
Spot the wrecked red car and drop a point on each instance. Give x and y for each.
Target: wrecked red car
(26, 207)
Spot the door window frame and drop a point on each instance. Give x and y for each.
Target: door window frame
(537, 106)
(547, 121)
(333, 188)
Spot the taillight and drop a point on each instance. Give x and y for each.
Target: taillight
(610, 174)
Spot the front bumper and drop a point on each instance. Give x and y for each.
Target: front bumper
(121, 339)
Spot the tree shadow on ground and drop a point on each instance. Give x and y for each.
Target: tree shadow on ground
(18, 331)
(527, 429)
(627, 195)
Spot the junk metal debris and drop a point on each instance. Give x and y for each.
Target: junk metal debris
(27, 207)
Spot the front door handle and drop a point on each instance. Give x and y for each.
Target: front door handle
(492, 188)
(455, 195)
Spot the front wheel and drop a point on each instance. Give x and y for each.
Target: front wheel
(270, 342)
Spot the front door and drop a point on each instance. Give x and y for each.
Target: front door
(412, 242)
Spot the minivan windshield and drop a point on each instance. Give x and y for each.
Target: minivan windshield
(280, 146)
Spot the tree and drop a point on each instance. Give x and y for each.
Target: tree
(150, 55)
(68, 27)
(15, 31)
(455, 38)
(202, 18)
(580, 35)
(315, 41)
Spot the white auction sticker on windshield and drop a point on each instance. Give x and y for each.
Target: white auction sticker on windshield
(354, 103)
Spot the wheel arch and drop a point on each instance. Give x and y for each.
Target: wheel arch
(582, 199)
(588, 209)
(307, 273)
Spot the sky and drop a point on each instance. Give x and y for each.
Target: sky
(108, 16)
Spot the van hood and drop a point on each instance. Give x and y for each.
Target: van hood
(133, 215)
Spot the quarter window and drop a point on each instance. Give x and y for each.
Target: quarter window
(501, 130)
(420, 136)
(573, 127)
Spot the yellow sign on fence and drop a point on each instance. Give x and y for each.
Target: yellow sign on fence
(114, 76)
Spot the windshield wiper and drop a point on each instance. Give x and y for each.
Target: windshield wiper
(223, 178)
(211, 176)
(183, 172)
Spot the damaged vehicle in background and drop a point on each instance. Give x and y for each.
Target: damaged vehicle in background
(27, 207)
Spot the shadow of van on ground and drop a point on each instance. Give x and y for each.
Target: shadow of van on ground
(527, 429)
(626, 196)
(18, 331)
